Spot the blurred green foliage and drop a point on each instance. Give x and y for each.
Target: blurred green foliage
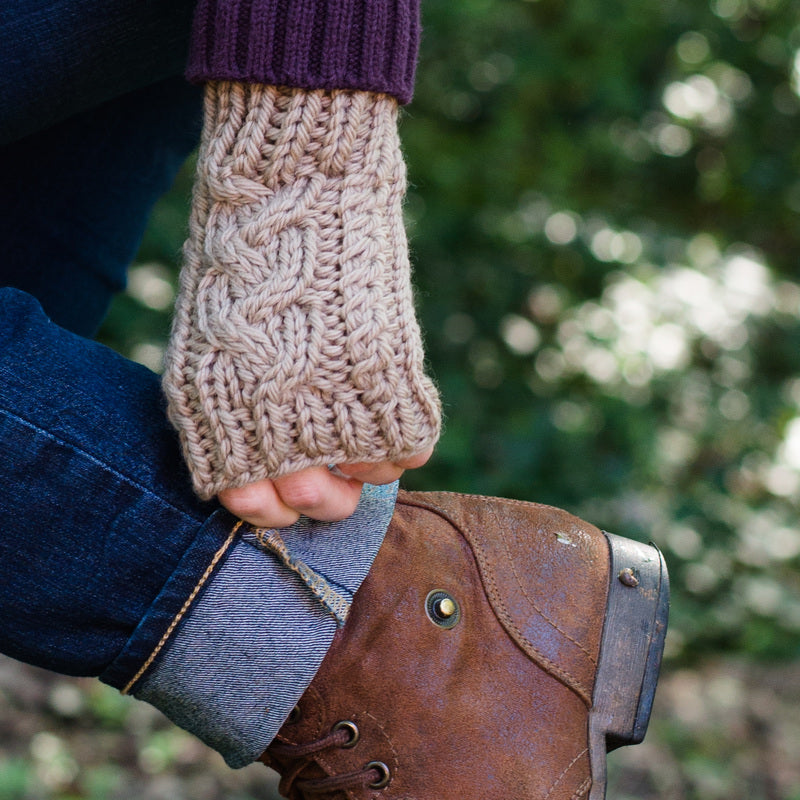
(604, 219)
(604, 213)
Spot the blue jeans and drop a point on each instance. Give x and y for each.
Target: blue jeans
(111, 566)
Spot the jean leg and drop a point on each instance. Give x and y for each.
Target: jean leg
(75, 198)
(112, 566)
(96, 507)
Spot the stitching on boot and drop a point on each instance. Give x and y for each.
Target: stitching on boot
(395, 757)
(330, 766)
(336, 603)
(487, 576)
(533, 602)
(404, 498)
(582, 789)
(567, 677)
(314, 714)
(566, 770)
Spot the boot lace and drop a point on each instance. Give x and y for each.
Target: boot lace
(374, 775)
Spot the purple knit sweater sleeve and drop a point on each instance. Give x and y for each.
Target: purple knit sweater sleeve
(308, 44)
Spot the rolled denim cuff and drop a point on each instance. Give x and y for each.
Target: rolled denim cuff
(250, 644)
(206, 554)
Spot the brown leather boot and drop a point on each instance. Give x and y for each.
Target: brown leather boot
(497, 649)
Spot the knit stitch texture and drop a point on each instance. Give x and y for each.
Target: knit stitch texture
(294, 342)
(369, 45)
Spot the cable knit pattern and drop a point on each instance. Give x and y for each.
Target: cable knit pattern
(294, 342)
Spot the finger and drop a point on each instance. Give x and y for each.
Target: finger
(318, 494)
(384, 471)
(415, 461)
(259, 504)
(378, 474)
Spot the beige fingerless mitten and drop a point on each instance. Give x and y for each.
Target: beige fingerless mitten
(295, 342)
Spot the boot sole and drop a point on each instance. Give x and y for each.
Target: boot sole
(630, 652)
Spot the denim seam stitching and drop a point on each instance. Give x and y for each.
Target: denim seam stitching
(184, 608)
(338, 605)
(97, 461)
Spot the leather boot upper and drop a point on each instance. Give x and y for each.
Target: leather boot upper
(495, 706)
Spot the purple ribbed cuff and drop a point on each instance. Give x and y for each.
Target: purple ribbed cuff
(308, 44)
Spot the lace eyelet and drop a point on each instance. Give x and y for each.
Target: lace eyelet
(295, 715)
(352, 729)
(383, 771)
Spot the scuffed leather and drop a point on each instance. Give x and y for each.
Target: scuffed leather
(542, 569)
(496, 707)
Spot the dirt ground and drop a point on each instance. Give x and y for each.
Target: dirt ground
(727, 730)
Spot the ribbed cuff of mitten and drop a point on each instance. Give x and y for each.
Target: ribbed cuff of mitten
(369, 45)
(295, 342)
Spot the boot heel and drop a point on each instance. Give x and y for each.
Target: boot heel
(630, 653)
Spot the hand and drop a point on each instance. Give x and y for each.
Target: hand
(316, 492)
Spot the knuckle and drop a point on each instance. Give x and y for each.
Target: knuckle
(243, 502)
(301, 492)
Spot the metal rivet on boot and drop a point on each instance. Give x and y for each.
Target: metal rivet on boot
(442, 609)
(383, 771)
(627, 577)
(351, 728)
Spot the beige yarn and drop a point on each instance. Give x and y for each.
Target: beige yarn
(294, 341)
